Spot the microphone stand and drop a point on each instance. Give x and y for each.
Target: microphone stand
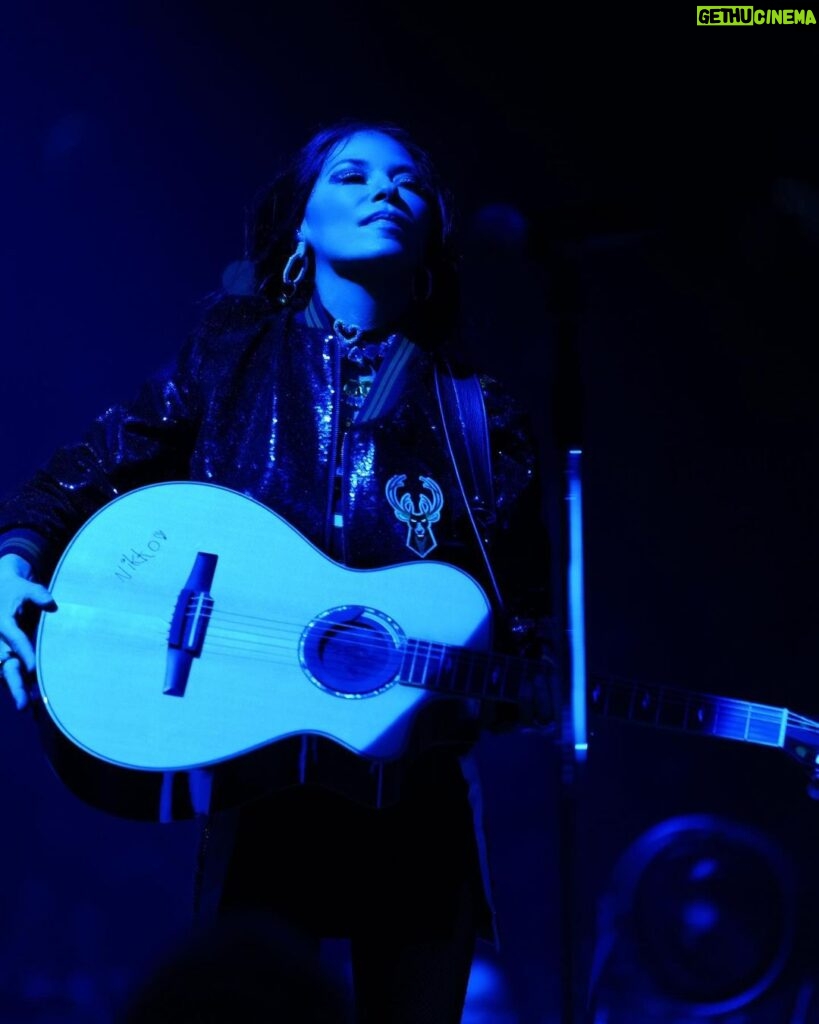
(569, 584)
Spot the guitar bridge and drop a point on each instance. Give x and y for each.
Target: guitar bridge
(189, 624)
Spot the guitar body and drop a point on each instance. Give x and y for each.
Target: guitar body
(147, 668)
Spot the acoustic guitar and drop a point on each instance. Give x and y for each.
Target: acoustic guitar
(197, 628)
(201, 637)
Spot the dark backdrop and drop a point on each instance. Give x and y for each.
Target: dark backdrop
(636, 194)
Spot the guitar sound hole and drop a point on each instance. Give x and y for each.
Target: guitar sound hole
(352, 651)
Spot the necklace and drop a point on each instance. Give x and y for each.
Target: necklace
(360, 352)
(347, 332)
(362, 359)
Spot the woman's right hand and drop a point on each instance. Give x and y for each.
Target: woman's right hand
(17, 590)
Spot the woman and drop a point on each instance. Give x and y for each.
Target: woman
(323, 383)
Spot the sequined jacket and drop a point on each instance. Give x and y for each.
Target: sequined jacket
(252, 403)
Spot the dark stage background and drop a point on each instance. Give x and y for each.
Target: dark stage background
(635, 194)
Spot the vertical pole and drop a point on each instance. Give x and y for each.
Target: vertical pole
(570, 603)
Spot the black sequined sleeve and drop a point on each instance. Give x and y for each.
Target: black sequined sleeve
(145, 440)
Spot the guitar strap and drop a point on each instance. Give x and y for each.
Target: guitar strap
(463, 413)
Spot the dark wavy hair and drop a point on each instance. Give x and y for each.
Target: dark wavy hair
(278, 210)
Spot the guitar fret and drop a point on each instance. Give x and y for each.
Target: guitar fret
(461, 679)
(423, 653)
(408, 662)
(414, 673)
(440, 663)
(766, 725)
(613, 700)
(488, 677)
(445, 665)
(673, 713)
(493, 676)
(519, 673)
(686, 720)
(704, 717)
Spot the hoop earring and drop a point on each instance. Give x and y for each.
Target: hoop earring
(422, 285)
(295, 269)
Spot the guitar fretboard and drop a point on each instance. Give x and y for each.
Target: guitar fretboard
(474, 674)
(669, 708)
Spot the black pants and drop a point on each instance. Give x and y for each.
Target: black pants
(401, 883)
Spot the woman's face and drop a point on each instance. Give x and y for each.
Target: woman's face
(369, 203)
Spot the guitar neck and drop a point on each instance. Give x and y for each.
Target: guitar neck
(458, 671)
(669, 708)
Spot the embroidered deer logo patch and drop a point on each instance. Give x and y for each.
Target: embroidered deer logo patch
(419, 519)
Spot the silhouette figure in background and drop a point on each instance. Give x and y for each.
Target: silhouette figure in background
(245, 968)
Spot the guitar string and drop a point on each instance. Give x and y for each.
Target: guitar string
(362, 637)
(279, 639)
(670, 697)
(731, 718)
(428, 661)
(277, 647)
